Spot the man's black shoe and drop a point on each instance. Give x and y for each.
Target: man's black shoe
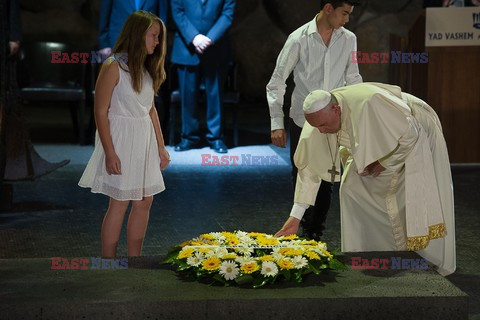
(218, 146)
(185, 145)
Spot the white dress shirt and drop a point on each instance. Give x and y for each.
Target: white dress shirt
(314, 65)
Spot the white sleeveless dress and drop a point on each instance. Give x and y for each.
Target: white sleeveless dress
(134, 141)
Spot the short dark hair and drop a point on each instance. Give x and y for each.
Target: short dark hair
(338, 3)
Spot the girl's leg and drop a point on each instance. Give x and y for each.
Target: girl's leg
(137, 225)
(111, 227)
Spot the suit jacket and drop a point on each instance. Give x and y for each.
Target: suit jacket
(114, 13)
(211, 18)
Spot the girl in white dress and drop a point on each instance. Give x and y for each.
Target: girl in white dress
(129, 148)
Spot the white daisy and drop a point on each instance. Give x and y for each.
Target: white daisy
(195, 260)
(218, 236)
(320, 248)
(242, 234)
(246, 251)
(221, 251)
(269, 269)
(210, 253)
(322, 245)
(244, 260)
(276, 254)
(229, 270)
(299, 262)
(247, 241)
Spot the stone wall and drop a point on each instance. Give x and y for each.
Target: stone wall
(259, 31)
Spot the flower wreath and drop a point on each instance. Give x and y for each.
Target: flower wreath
(251, 258)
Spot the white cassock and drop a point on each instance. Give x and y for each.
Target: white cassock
(409, 206)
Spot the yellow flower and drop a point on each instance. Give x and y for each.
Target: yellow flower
(211, 264)
(207, 236)
(197, 243)
(284, 251)
(309, 243)
(185, 243)
(250, 267)
(228, 234)
(204, 250)
(290, 237)
(262, 241)
(293, 252)
(308, 247)
(229, 256)
(232, 240)
(285, 264)
(312, 255)
(256, 234)
(266, 258)
(185, 253)
(326, 254)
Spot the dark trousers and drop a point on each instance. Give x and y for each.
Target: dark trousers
(313, 221)
(189, 78)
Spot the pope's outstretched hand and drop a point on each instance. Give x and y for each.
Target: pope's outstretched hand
(290, 227)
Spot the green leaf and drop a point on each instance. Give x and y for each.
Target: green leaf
(260, 282)
(174, 249)
(313, 269)
(244, 279)
(286, 274)
(335, 251)
(182, 265)
(306, 270)
(337, 265)
(200, 273)
(220, 279)
(323, 266)
(297, 276)
(171, 256)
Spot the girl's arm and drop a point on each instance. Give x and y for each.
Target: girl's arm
(106, 82)
(162, 151)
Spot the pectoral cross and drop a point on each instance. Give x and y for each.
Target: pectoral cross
(333, 172)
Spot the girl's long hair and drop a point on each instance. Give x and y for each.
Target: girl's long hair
(131, 46)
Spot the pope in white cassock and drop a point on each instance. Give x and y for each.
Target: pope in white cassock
(396, 189)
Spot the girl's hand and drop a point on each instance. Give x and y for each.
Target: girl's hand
(112, 164)
(164, 158)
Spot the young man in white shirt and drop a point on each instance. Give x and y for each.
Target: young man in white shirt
(320, 55)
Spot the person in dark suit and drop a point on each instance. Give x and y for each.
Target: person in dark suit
(114, 13)
(200, 51)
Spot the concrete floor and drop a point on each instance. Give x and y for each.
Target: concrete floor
(53, 217)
